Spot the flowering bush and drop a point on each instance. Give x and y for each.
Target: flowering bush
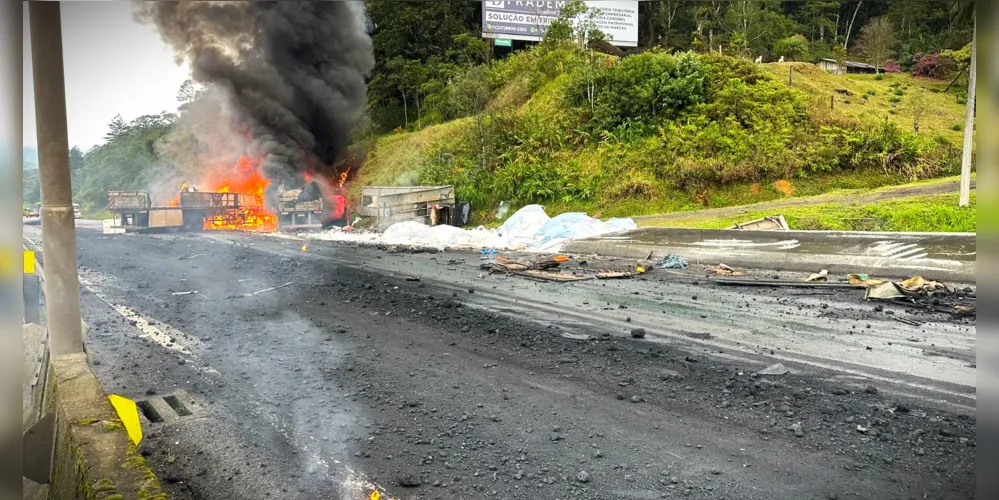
(892, 67)
(929, 65)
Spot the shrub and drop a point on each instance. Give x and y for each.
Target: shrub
(888, 148)
(649, 86)
(895, 99)
(793, 48)
(892, 67)
(957, 127)
(879, 76)
(931, 65)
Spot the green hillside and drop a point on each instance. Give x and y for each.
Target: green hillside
(659, 132)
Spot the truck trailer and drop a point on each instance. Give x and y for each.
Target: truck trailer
(134, 211)
(431, 205)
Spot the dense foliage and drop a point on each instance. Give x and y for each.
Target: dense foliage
(420, 46)
(658, 123)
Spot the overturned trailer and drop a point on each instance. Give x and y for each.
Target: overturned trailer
(431, 205)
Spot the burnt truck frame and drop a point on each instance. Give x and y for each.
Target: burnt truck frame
(134, 211)
(300, 209)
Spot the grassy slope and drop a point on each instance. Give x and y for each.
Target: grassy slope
(923, 206)
(940, 112)
(397, 158)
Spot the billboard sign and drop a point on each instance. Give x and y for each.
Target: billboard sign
(528, 20)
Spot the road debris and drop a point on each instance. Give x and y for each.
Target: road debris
(906, 321)
(887, 290)
(575, 336)
(560, 258)
(725, 270)
(771, 223)
(863, 279)
(265, 290)
(819, 276)
(190, 292)
(917, 291)
(672, 261)
(614, 275)
(783, 283)
(774, 369)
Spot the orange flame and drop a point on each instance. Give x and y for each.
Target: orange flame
(343, 178)
(375, 495)
(244, 178)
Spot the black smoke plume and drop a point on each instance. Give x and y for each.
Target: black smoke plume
(291, 74)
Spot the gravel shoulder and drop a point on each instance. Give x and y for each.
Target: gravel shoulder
(392, 369)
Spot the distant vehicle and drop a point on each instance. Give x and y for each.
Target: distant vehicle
(76, 210)
(34, 210)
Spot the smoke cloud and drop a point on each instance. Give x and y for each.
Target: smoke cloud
(285, 79)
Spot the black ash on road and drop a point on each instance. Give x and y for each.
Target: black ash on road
(413, 374)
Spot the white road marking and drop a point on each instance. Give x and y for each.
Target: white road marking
(154, 334)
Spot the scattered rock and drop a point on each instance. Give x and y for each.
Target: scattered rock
(583, 476)
(870, 389)
(774, 369)
(636, 399)
(409, 480)
(796, 429)
(638, 333)
(839, 391)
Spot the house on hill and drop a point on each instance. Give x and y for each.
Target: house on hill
(848, 67)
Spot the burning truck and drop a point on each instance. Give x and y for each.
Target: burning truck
(235, 201)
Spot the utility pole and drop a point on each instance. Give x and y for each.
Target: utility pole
(62, 285)
(969, 125)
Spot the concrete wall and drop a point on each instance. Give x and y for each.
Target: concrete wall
(94, 457)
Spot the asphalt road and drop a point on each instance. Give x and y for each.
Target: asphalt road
(419, 374)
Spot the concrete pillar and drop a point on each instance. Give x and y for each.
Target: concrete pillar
(62, 285)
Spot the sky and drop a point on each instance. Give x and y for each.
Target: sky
(113, 65)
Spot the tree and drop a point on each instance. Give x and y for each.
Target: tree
(471, 94)
(414, 31)
(792, 48)
(31, 189)
(128, 160)
(877, 42)
(189, 91)
(116, 127)
(76, 164)
(576, 23)
(407, 77)
(665, 16)
(849, 27)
